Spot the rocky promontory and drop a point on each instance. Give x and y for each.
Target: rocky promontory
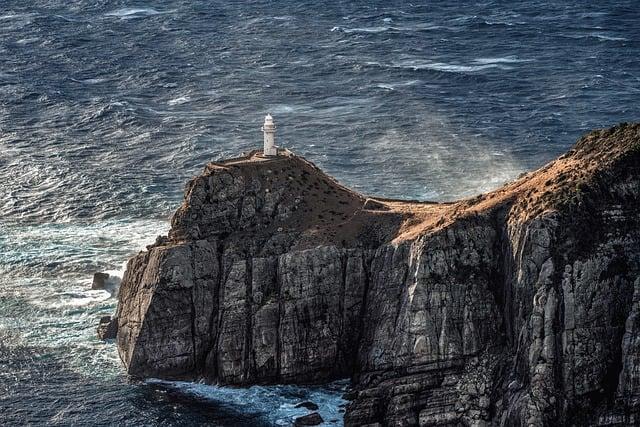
(516, 307)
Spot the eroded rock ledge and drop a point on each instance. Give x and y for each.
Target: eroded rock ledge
(517, 307)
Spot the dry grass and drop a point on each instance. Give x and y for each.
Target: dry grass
(328, 212)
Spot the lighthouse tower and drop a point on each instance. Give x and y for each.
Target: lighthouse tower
(269, 129)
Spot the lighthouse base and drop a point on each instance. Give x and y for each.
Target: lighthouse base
(270, 152)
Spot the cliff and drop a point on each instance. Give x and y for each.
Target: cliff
(516, 307)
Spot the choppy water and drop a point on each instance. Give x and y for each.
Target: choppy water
(107, 107)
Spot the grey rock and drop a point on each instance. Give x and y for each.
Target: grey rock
(107, 328)
(99, 281)
(106, 282)
(308, 405)
(313, 419)
(517, 307)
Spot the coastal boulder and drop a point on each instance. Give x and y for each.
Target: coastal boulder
(313, 419)
(99, 281)
(107, 328)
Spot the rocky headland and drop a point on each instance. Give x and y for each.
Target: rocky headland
(517, 307)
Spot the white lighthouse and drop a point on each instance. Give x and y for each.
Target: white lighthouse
(269, 129)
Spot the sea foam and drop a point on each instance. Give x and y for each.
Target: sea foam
(422, 64)
(134, 12)
(275, 404)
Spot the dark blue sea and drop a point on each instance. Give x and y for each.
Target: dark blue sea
(108, 107)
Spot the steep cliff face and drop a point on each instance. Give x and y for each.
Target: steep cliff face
(517, 307)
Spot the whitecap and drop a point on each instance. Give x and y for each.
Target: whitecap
(372, 30)
(284, 109)
(117, 273)
(555, 97)
(134, 12)
(373, 63)
(464, 18)
(393, 86)
(501, 60)
(598, 36)
(507, 23)
(281, 109)
(179, 100)
(92, 81)
(419, 64)
(421, 27)
(69, 299)
(381, 29)
(28, 40)
(11, 16)
(16, 21)
(608, 38)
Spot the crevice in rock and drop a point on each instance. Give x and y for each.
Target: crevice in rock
(248, 304)
(224, 275)
(501, 270)
(624, 302)
(507, 255)
(239, 212)
(194, 354)
(402, 287)
(280, 313)
(366, 266)
(342, 352)
(274, 213)
(215, 308)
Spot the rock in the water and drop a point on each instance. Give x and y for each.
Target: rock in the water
(313, 419)
(516, 307)
(309, 405)
(106, 282)
(107, 328)
(99, 281)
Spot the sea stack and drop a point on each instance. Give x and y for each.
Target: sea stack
(516, 307)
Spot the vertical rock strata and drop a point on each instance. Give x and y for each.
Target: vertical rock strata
(517, 307)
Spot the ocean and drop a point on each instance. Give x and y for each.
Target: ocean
(108, 107)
